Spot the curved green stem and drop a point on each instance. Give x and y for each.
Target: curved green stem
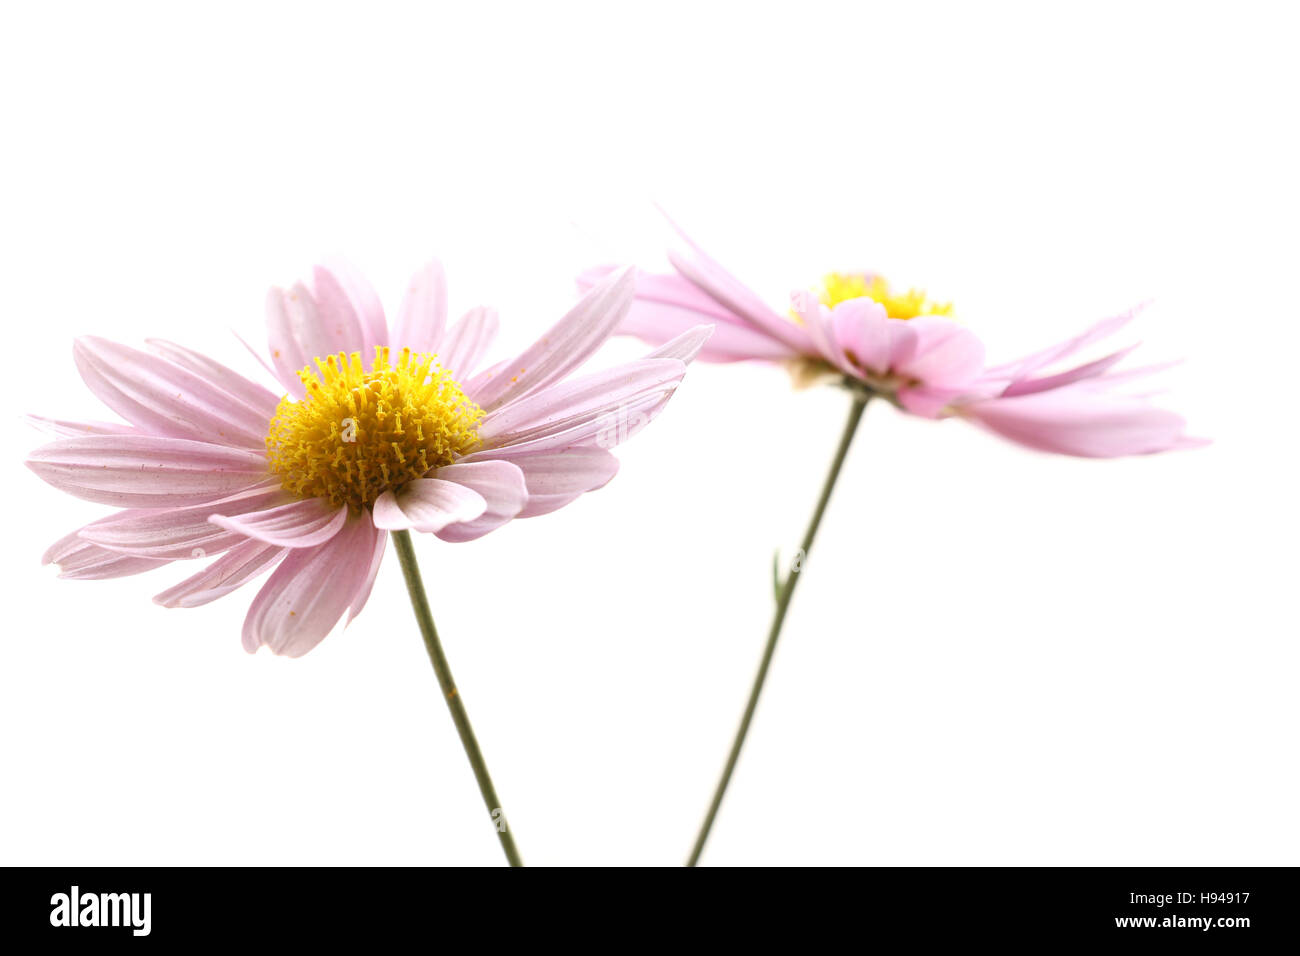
(785, 592)
(423, 616)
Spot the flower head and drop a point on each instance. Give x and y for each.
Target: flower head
(357, 432)
(907, 348)
(377, 429)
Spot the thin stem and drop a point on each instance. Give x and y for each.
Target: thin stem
(784, 594)
(423, 616)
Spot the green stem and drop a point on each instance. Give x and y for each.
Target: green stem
(423, 616)
(782, 605)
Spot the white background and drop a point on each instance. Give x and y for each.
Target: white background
(996, 657)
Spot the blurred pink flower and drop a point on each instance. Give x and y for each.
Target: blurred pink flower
(210, 463)
(906, 349)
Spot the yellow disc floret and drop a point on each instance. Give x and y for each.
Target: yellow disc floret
(840, 287)
(358, 433)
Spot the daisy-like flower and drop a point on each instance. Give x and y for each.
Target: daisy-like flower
(378, 429)
(906, 348)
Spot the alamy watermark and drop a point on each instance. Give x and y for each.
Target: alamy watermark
(102, 909)
(618, 426)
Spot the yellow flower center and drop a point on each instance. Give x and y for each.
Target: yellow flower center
(360, 433)
(840, 287)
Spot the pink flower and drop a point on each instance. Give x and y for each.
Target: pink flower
(210, 463)
(906, 349)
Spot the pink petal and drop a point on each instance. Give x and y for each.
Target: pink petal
(568, 344)
(233, 569)
(1132, 374)
(1024, 367)
(818, 322)
(164, 398)
(730, 343)
(1080, 421)
(669, 305)
(305, 324)
(728, 291)
(1028, 386)
(96, 564)
(582, 400)
(146, 472)
(69, 429)
(298, 524)
(178, 533)
(946, 355)
(427, 504)
(620, 422)
(261, 400)
(463, 345)
(80, 559)
(670, 289)
(323, 326)
(685, 347)
(369, 310)
(261, 360)
(876, 343)
(71, 543)
(927, 402)
(311, 589)
(501, 485)
(422, 318)
(539, 505)
(557, 478)
(363, 595)
(285, 337)
(338, 324)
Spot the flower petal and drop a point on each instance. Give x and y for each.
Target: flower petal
(928, 402)
(668, 305)
(70, 429)
(818, 321)
(870, 339)
(733, 295)
(259, 358)
(1024, 367)
(165, 398)
(179, 533)
(236, 567)
(378, 547)
(370, 311)
(539, 505)
(288, 356)
(147, 472)
(946, 355)
(427, 504)
(80, 559)
(618, 422)
(584, 399)
(568, 344)
(304, 325)
(1081, 421)
(422, 318)
(463, 345)
(1026, 386)
(338, 322)
(97, 564)
(670, 289)
(298, 524)
(502, 486)
(557, 478)
(261, 400)
(306, 595)
(687, 346)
